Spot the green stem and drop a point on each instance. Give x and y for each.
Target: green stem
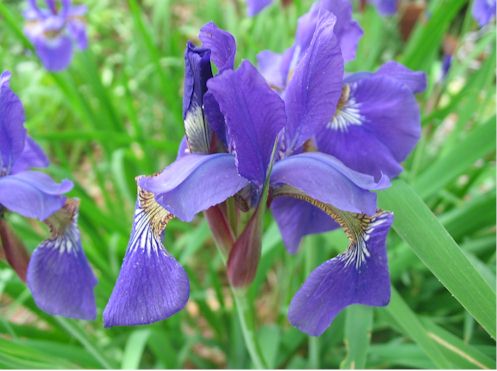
(310, 258)
(247, 323)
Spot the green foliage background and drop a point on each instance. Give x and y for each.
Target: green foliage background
(116, 113)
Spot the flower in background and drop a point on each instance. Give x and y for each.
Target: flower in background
(58, 273)
(27, 192)
(54, 29)
(278, 69)
(386, 7)
(484, 11)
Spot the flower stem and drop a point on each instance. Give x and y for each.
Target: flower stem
(247, 322)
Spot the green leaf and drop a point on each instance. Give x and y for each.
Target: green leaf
(412, 327)
(417, 225)
(480, 142)
(134, 349)
(358, 325)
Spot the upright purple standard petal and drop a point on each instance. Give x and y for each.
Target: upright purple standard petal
(377, 124)
(197, 72)
(254, 7)
(12, 131)
(346, 29)
(33, 194)
(414, 80)
(152, 285)
(269, 65)
(296, 219)
(221, 43)
(55, 54)
(193, 183)
(484, 11)
(326, 179)
(314, 90)
(358, 276)
(254, 117)
(59, 275)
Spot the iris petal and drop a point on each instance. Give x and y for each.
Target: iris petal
(193, 183)
(358, 276)
(152, 285)
(33, 194)
(12, 131)
(221, 43)
(59, 275)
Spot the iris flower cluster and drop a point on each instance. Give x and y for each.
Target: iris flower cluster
(296, 134)
(58, 273)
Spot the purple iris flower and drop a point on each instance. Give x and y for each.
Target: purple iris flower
(54, 29)
(484, 11)
(58, 273)
(153, 286)
(29, 193)
(278, 69)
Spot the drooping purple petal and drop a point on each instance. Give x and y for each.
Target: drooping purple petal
(33, 194)
(221, 43)
(254, 7)
(194, 183)
(376, 127)
(55, 54)
(296, 219)
(385, 7)
(60, 277)
(254, 115)
(152, 285)
(484, 11)
(326, 179)
(12, 131)
(414, 80)
(31, 157)
(197, 72)
(77, 30)
(358, 276)
(314, 90)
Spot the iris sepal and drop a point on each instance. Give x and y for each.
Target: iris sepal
(152, 285)
(357, 276)
(59, 275)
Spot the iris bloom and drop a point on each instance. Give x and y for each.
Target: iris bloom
(54, 30)
(58, 273)
(484, 11)
(152, 285)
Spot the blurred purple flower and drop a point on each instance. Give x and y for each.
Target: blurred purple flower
(29, 193)
(278, 69)
(386, 7)
(59, 275)
(54, 29)
(484, 11)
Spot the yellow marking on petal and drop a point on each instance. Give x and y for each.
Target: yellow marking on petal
(158, 217)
